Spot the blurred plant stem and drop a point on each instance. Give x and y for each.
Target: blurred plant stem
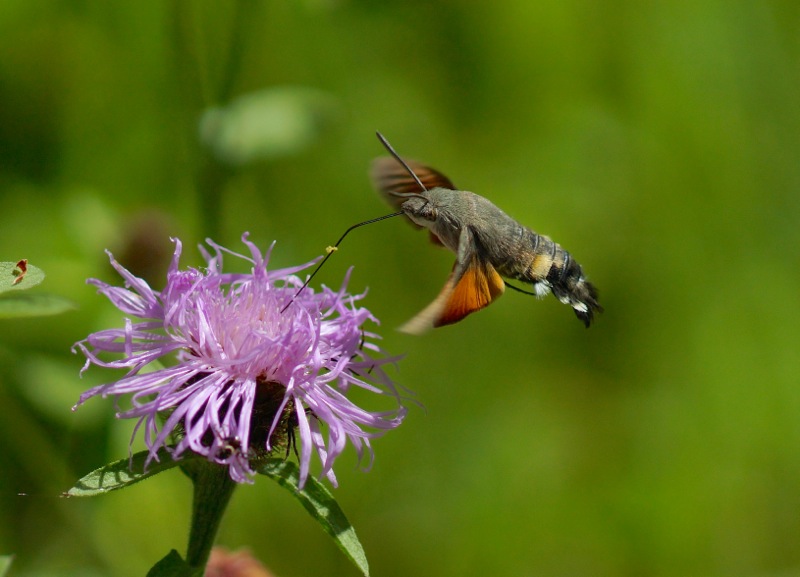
(193, 59)
(230, 71)
(213, 488)
(211, 179)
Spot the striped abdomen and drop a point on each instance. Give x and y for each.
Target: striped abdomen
(551, 268)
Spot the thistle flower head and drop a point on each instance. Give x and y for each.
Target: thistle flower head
(243, 375)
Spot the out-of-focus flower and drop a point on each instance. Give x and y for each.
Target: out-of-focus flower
(244, 375)
(224, 563)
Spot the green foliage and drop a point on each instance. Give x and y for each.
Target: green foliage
(322, 506)
(267, 124)
(173, 565)
(122, 473)
(314, 497)
(19, 276)
(13, 304)
(32, 305)
(657, 142)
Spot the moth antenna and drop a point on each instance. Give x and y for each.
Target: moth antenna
(333, 249)
(391, 150)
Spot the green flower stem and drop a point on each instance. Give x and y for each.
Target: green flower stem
(213, 488)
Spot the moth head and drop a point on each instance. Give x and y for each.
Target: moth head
(420, 210)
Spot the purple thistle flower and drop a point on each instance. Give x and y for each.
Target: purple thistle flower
(246, 373)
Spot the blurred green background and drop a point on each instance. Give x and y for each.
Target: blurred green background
(658, 142)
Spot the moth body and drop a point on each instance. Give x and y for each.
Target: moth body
(488, 245)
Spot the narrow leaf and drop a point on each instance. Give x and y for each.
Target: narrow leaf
(173, 565)
(14, 277)
(121, 474)
(32, 305)
(322, 506)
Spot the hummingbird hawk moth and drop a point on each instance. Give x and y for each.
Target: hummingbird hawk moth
(488, 244)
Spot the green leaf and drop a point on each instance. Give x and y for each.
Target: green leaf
(5, 564)
(9, 274)
(122, 473)
(266, 124)
(173, 565)
(322, 506)
(32, 305)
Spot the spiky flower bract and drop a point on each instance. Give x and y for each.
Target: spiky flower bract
(242, 374)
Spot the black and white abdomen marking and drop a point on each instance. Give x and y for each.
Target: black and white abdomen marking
(552, 269)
